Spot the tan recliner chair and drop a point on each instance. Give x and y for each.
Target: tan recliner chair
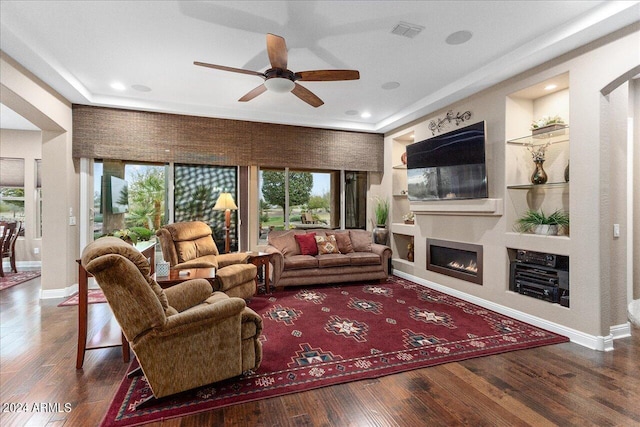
(191, 245)
(185, 336)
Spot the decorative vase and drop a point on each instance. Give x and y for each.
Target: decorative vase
(539, 175)
(410, 251)
(380, 234)
(566, 173)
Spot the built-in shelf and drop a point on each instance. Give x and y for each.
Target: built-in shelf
(538, 243)
(459, 207)
(399, 167)
(402, 228)
(551, 137)
(400, 195)
(548, 185)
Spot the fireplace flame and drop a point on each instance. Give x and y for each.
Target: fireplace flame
(471, 268)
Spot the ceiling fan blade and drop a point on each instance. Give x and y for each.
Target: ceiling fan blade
(327, 75)
(253, 93)
(233, 70)
(277, 51)
(307, 96)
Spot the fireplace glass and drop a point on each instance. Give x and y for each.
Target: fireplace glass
(455, 259)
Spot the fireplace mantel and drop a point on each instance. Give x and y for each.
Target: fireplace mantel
(472, 207)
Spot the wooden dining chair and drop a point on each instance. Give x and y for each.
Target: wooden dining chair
(10, 232)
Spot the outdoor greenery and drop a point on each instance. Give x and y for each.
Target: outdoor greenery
(15, 207)
(146, 198)
(273, 191)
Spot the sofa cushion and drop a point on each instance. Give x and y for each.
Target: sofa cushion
(332, 260)
(327, 245)
(307, 243)
(343, 240)
(296, 262)
(285, 243)
(361, 240)
(364, 258)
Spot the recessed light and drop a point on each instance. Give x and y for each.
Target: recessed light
(459, 37)
(550, 87)
(141, 88)
(118, 86)
(390, 85)
(365, 115)
(351, 112)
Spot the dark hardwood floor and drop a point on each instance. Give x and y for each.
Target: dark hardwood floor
(563, 384)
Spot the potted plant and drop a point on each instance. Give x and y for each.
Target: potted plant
(538, 222)
(381, 210)
(546, 124)
(409, 218)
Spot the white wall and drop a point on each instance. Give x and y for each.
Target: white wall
(34, 100)
(591, 204)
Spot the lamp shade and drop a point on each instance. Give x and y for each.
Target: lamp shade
(224, 202)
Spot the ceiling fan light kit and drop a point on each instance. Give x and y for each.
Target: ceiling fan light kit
(279, 84)
(280, 79)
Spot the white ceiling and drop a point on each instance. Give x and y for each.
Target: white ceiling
(81, 47)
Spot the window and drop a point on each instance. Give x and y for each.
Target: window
(12, 190)
(298, 199)
(141, 204)
(197, 188)
(38, 197)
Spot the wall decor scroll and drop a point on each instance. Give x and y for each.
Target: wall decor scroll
(438, 124)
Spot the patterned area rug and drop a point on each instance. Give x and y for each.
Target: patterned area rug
(13, 279)
(95, 297)
(315, 337)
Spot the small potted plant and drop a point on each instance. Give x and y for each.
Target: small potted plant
(546, 124)
(538, 222)
(409, 218)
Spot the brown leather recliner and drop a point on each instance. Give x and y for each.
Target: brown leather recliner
(185, 336)
(191, 245)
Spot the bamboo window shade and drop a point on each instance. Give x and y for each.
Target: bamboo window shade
(108, 133)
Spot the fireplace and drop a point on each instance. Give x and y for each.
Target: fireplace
(455, 259)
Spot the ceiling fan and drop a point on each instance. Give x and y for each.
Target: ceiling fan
(280, 79)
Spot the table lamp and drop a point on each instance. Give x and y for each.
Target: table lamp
(225, 203)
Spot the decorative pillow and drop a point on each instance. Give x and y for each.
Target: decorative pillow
(307, 243)
(344, 242)
(327, 245)
(361, 240)
(284, 242)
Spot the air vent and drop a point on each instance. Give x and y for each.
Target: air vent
(407, 30)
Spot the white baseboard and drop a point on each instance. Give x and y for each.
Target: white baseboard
(593, 342)
(59, 293)
(6, 265)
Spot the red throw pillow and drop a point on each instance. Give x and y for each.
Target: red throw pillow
(307, 243)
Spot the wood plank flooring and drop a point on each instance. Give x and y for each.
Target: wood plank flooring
(563, 384)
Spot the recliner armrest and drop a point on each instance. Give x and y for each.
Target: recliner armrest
(232, 258)
(188, 293)
(202, 315)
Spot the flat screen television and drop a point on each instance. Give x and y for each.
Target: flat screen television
(118, 195)
(448, 166)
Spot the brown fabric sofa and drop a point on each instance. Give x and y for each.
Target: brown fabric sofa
(364, 260)
(185, 336)
(191, 245)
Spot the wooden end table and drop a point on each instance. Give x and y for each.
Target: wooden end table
(148, 249)
(260, 259)
(176, 277)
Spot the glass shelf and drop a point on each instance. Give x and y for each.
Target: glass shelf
(541, 186)
(551, 137)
